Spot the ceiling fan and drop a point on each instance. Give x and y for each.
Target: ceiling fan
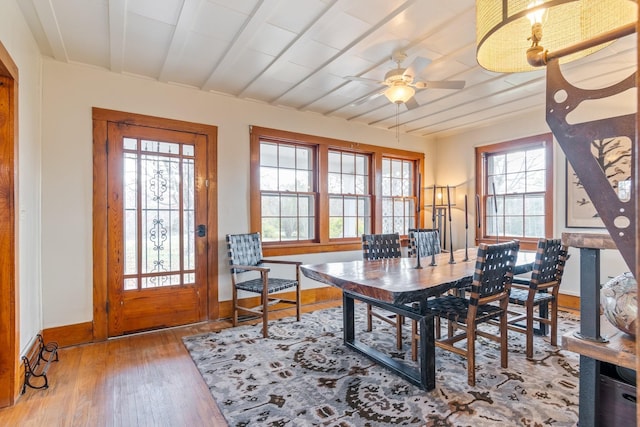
(401, 82)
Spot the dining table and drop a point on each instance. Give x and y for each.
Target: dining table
(401, 286)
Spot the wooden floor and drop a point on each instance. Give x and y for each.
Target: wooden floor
(140, 380)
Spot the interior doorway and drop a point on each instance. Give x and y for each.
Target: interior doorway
(9, 325)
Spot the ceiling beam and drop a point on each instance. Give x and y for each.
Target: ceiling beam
(249, 30)
(392, 15)
(49, 22)
(117, 34)
(173, 58)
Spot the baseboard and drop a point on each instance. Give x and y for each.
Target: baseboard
(21, 369)
(569, 301)
(82, 333)
(68, 335)
(309, 296)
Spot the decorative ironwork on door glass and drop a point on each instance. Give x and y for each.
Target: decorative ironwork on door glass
(159, 215)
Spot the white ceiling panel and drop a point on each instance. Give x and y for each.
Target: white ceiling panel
(166, 11)
(296, 54)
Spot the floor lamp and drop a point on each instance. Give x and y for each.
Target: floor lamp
(439, 205)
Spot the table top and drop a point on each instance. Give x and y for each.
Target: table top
(397, 281)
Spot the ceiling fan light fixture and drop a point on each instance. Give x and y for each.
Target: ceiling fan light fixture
(399, 93)
(505, 29)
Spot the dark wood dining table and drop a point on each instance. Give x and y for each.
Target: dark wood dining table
(398, 286)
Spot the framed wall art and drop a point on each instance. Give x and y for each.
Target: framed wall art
(614, 157)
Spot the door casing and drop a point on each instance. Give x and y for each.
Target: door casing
(101, 118)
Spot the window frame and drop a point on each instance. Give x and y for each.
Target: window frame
(482, 153)
(322, 146)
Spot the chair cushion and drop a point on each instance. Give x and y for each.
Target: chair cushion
(275, 285)
(455, 309)
(519, 297)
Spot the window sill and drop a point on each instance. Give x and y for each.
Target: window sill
(295, 248)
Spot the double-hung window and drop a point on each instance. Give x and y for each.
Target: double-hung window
(398, 195)
(349, 194)
(515, 184)
(312, 194)
(287, 199)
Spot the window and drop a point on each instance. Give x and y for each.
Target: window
(286, 198)
(515, 184)
(312, 194)
(349, 198)
(398, 196)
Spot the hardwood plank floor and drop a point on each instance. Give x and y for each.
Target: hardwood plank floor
(139, 380)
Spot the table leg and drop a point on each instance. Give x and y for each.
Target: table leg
(348, 319)
(424, 375)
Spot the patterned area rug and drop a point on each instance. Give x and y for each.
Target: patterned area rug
(303, 375)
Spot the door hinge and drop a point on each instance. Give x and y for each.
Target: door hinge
(107, 307)
(206, 183)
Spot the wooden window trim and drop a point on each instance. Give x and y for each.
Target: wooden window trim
(544, 140)
(323, 243)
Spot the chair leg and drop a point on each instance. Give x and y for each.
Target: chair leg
(369, 320)
(234, 317)
(399, 322)
(504, 337)
(414, 340)
(298, 293)
(298, 301)
(265, 309)
(529, 332)
(471, 354)
(554, 322)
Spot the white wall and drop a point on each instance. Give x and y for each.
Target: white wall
(456, 164)
(69, 93)
(17, 39)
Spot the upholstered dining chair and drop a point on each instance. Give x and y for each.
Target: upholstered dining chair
(383, 246)
(487, 299)
(249, 273)
(541, 289)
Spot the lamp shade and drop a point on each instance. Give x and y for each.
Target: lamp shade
(504, 28)
(440, 197)
(399, 93)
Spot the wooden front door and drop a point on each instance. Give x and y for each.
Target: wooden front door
(157, 228)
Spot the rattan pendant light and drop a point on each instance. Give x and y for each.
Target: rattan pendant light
(504, 28)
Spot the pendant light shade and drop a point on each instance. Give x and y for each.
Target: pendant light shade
(507, 29)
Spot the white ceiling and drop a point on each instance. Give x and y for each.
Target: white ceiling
(296, 53)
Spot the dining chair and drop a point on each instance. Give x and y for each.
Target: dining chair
(383, 246)
(487, 299)
(426, 242)
(540, 291)
(249, 274)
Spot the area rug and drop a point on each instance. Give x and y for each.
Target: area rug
(303, 375)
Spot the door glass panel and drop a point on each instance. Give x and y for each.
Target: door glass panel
(159, 211)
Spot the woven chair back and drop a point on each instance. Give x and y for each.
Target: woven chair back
(244, 249)
(551, 256)
(381, 246)
(427, 240)
(494, 269)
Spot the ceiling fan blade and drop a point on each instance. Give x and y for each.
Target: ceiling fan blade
(412, 103)
(364, 80)
(416, 67)
(445, 84)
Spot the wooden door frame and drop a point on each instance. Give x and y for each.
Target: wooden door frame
(101, 117)
(9, 302)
